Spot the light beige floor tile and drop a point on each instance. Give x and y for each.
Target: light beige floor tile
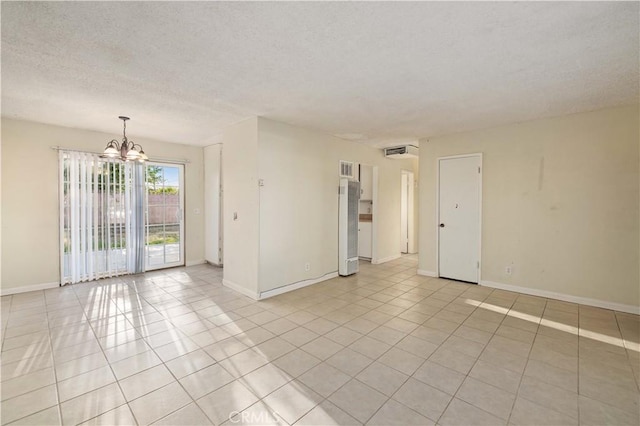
(296, 362)
(86, 382)
(47, 417)
(504, 359)
(343, 336)
(623, 398)
(453, 360)
(256, 414)
(387, 335)
(274, 348)
(358, 400)
(264, 380)
(27, 383)
(394, 413)
(225, 348)
(190, 415)
(550, 396)
(463, 346)
(280, 326)
(439, 377)
(206, 380)
(322, 347)
(244, 362)
(299, 336)
(400, 360)
(92, 404)
(324, 379)
(473, 334)
(594, 413)
(25, 366)
(486, 397)
(221, 404)
(416, 346)
(494, 375)
(135, 364)
(553, 375)
(430, 335)
(126, 350)
(371, 348)
(146, 381)
(120, 416)
(292, 401)
(321, 326)
(461, 413)
(527, 413)
(327, 414)
(157, 404)
(189, 363)
(29, 403)
(349, 361)
(175, 349)
(382, 378)
(426, 400)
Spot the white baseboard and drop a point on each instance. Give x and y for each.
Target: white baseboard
(386, 259)
(295, 286)
(241, 289)
(631, 309)
(195, 262)
(27, 288)
(426, 273)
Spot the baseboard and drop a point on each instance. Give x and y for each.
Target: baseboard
(236, 287)
(386, 259)
(195, 262)
(294, 286)
(427, 273)
(631, 309)
(217, 265)
(27, 288)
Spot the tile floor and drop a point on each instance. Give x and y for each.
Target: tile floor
(383, 347)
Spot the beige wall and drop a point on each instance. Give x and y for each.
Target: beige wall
(241, 196)
(560, 203)
(30, 213)
(299, 201)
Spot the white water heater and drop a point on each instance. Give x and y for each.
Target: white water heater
(348, 226)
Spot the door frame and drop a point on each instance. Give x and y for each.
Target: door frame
(437, 224)
(181, 178)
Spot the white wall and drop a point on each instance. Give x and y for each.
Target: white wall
(212, 180)
(560, 204)
(299, 201)
(240, 183)
(30, 213)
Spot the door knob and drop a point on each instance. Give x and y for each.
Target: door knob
(442, 225)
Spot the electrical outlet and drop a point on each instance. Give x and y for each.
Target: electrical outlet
(307, 266)
(507, 270)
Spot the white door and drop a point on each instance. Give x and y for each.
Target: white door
(459, 218)
(213, 204)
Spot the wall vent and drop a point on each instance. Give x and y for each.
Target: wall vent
(346, 169)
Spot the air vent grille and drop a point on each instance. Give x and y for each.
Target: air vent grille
(346, 169)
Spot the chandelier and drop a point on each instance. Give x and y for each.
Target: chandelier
(127, 150)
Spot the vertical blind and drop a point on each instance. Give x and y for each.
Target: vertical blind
(101, 218)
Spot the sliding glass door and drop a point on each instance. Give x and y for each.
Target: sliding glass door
(164, 215)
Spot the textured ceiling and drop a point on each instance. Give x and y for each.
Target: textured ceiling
(379, 73)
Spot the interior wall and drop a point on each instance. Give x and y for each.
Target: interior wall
(299, 201)
(30, 206)
(241, 197)
(560, 204)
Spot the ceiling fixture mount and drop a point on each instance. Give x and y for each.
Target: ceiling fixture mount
(127, 150)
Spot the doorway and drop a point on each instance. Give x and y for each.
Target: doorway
(406, 213)
(164, 218)
(459, 217)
